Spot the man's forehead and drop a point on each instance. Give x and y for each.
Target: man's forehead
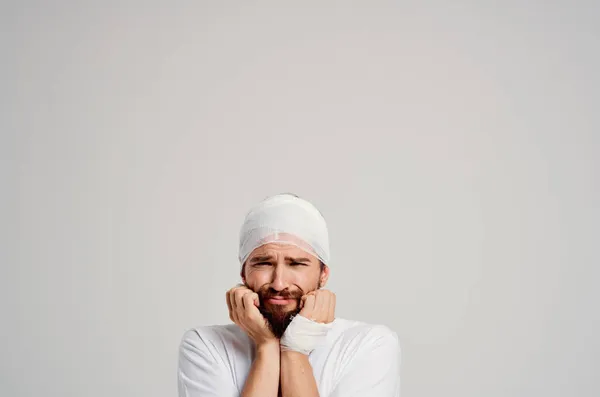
(271, 251)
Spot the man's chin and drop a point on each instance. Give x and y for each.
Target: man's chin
(280, 316)
(280, 312)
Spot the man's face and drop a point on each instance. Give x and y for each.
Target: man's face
(281, 274)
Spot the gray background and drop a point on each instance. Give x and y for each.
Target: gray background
(452, 147)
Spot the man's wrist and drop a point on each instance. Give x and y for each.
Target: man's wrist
(293, 355)
(269, 347)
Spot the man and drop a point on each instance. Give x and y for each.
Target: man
(286, 340)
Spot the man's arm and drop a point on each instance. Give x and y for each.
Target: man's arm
(263, 379)
(297, 379)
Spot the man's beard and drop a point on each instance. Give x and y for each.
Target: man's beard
(277, 316)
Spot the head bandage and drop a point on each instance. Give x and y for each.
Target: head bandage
(285, 219)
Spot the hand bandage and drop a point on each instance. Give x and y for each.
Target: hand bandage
(303, 335)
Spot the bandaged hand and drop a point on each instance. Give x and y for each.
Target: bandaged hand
(243, 310)
(310, 327)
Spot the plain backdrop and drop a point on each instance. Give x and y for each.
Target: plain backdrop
(453, 148)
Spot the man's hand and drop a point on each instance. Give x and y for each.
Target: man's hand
(263, 378)
(318, 306)
(297, 377)
(243, 310)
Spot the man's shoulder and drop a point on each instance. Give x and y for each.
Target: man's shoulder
(352, 331)
(356, 326)
(364, 344)
(213, 336)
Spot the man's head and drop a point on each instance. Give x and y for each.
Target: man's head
(281, 274)
(284, 251)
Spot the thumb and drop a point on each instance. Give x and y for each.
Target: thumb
(256, 300)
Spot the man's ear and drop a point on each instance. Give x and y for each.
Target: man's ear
(324, 276)
(242, 273)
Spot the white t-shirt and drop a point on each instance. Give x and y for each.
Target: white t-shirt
(356, 359)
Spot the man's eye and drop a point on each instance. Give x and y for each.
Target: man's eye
(262, 264)
(298, 264)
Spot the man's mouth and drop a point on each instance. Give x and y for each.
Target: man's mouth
(278, 300)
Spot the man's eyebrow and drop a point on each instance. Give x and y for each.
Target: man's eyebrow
(301, 260)
(264, 258)
(267, 258)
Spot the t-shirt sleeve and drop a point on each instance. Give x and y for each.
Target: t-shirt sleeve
(201, 372)
(374, 370)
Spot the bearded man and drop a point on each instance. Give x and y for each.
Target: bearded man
(285, 339)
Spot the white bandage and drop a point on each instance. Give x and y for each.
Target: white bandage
(285, 219)
(303, 335)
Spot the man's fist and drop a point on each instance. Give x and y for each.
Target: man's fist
(243, 310)
(319, 306)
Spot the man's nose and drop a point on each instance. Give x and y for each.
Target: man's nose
(279, 282)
